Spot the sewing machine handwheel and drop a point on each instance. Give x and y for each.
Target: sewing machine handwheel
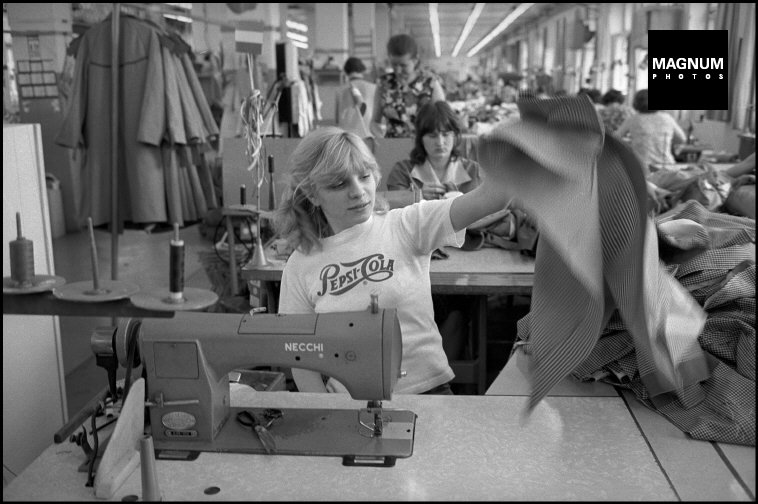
(125, 333)
(358, 461)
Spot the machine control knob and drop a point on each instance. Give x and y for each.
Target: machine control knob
(403, 373)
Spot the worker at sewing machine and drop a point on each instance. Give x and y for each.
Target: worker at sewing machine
(347, 246)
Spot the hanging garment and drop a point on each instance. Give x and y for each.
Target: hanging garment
(199, 97)
(160, 103)
(598, 250)
(302, 109)
(175, 132)
(141, 122)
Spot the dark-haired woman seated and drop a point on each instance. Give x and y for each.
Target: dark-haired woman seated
(437, 171)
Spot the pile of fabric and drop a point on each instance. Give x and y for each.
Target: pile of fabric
(604, 304)
(715, 190)
(164, 124)
(713, 256)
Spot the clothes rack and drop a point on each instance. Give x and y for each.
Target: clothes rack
(152, 146)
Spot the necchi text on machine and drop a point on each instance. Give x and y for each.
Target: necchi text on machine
(187, 359)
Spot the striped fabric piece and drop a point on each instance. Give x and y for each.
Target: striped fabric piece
(598, 250)
(727, 411)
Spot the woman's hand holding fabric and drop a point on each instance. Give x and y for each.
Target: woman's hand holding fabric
(433, 191)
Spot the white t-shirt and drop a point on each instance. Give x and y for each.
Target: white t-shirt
(388, 255)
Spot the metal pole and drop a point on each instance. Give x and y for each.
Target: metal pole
(115, 25)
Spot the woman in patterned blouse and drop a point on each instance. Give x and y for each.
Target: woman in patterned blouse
(403, 91)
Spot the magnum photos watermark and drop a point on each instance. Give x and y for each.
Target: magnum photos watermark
(684, 64)
(688, 69)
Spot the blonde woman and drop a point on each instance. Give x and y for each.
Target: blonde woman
(346, 247)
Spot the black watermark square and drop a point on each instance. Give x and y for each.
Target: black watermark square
(688, 69)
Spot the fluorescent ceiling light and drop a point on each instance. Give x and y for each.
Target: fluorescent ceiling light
(298, 37)
(470, 22)
(182, 19)
(297, 26)
(299, 44)
(434, 20)
(510, 18)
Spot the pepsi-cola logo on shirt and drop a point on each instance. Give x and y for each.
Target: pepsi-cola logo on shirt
(339, 278)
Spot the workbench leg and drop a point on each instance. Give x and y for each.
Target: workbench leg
(480, 328)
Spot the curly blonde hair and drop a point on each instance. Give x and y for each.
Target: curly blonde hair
(324, 156)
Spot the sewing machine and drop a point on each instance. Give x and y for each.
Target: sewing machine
(187, 360)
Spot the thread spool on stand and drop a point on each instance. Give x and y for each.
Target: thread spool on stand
(177, 297)
(96, 290)
(176, 269)
(271, 189)
(22, 257)
(22, 279)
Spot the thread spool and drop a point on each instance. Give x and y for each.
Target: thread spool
(271, 191)
(176, 268)
(243, 195)
(150, 488)
(22, 257)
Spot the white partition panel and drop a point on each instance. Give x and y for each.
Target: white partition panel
(34, 396)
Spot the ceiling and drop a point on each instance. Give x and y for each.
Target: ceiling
(413, 18)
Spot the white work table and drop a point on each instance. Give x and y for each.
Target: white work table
(696, 470)
(466, 448)
(582, 442)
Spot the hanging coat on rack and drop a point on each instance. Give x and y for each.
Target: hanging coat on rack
(199, 97)
(87, 123)
(162, 113)
(175, 137)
